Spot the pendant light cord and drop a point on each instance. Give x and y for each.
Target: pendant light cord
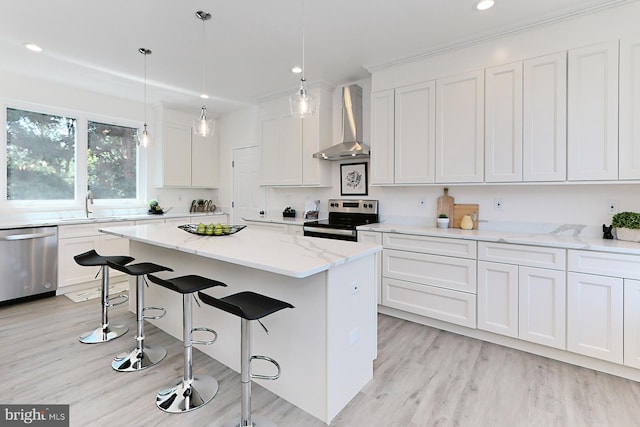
(203, 59)
(303, 79)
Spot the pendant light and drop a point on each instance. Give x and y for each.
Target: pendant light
(203, 126)
(144, 139)
(302, 104)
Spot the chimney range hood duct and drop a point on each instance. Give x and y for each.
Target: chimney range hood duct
(351, 145)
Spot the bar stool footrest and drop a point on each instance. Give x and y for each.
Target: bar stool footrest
(203, 342)
(123, 297)
(188, 395)
(162, 309)
(264, 377)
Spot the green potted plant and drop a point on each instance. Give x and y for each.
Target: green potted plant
(442, 221)
(627, 226)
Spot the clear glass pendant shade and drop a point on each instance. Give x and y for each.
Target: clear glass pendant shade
(145, 137)
(302, 104)
(203, 126)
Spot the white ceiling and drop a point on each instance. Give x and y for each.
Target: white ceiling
(251, 45)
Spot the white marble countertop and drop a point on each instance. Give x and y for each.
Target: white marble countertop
(295, 256)
(16, 222)
(567, 238)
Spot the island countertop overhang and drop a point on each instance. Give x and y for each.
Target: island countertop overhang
(294, 256)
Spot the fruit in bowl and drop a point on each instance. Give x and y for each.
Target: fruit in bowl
(154, 206)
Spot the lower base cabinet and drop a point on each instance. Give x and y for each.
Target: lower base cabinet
(632, 323)
(595, 316)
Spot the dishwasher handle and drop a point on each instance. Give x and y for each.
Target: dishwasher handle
(27, 236)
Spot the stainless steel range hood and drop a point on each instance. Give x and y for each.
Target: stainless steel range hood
(351, 145)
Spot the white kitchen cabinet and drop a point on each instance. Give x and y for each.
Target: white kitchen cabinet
(592, 101)
(460, 128)
(268, 226)
(78, 238)
(629, 145)
(382, 137)
(498, 298)
(414, 142)
(542, 306)
(632, 323)
(287, 143)
(503, 123)
(375, 238)
(518, 298)
(420, 275)
(545, 118)
(595, 316)
(178, 221)
(187, 160)
(295, 230)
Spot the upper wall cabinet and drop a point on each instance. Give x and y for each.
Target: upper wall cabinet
(629, 109)
(403, 137)
(592, 139)
(187, 161)
(545, 118)
(503, 123)
(460, 128)
(288, 143)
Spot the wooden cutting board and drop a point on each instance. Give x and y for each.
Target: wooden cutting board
(460, 210)
(445, 206)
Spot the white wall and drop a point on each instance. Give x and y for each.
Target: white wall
(582, 203)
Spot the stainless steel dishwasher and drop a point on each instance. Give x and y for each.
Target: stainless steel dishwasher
(28, 263)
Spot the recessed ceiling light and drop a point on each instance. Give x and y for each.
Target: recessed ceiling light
(204, 96)
(296, 70)
(33, 47)
(483, 4)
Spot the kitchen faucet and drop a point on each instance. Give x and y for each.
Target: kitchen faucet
(88, 199)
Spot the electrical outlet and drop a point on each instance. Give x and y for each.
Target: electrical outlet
(612, 207)
(421, 203)
(355, 288)
(498, 204)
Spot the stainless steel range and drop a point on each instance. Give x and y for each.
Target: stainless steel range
(344, 216)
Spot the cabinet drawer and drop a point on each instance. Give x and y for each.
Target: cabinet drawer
(408, 242)
(531, 256)
(436, 303)
(441, 271)
(77, 230)
(606, 264)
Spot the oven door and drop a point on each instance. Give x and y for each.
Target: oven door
(331, 233)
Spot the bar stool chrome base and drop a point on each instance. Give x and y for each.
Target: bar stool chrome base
(138, 359)
(257, 421)
(187, 395)
(99, 334)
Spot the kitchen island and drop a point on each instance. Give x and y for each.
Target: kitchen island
(326, 345)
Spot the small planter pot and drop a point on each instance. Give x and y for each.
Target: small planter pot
(628, 234)
(442, 222)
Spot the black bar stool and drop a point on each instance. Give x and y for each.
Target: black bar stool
(140, 357)
(104, 332)
(190, 392)
(248, 306)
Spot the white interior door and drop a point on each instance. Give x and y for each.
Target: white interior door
(249, 198)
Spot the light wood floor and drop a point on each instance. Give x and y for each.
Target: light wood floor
(423, 377)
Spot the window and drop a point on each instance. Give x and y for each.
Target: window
(52, 159)
(40, 156)
(112, 161)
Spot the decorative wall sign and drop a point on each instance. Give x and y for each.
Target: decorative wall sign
(353, 179)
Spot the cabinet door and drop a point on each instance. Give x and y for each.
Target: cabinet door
(460, 128)
(290, 141)
(632, 323)
(204, 163)
(503, 123)
(70, 273)
(542, 306)
(498, 298)
(629, 109)
(545, 118)
(176, 155)
(382, 137)
(593, 112)
(415, 116)
(270, 150)
(595, 316)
